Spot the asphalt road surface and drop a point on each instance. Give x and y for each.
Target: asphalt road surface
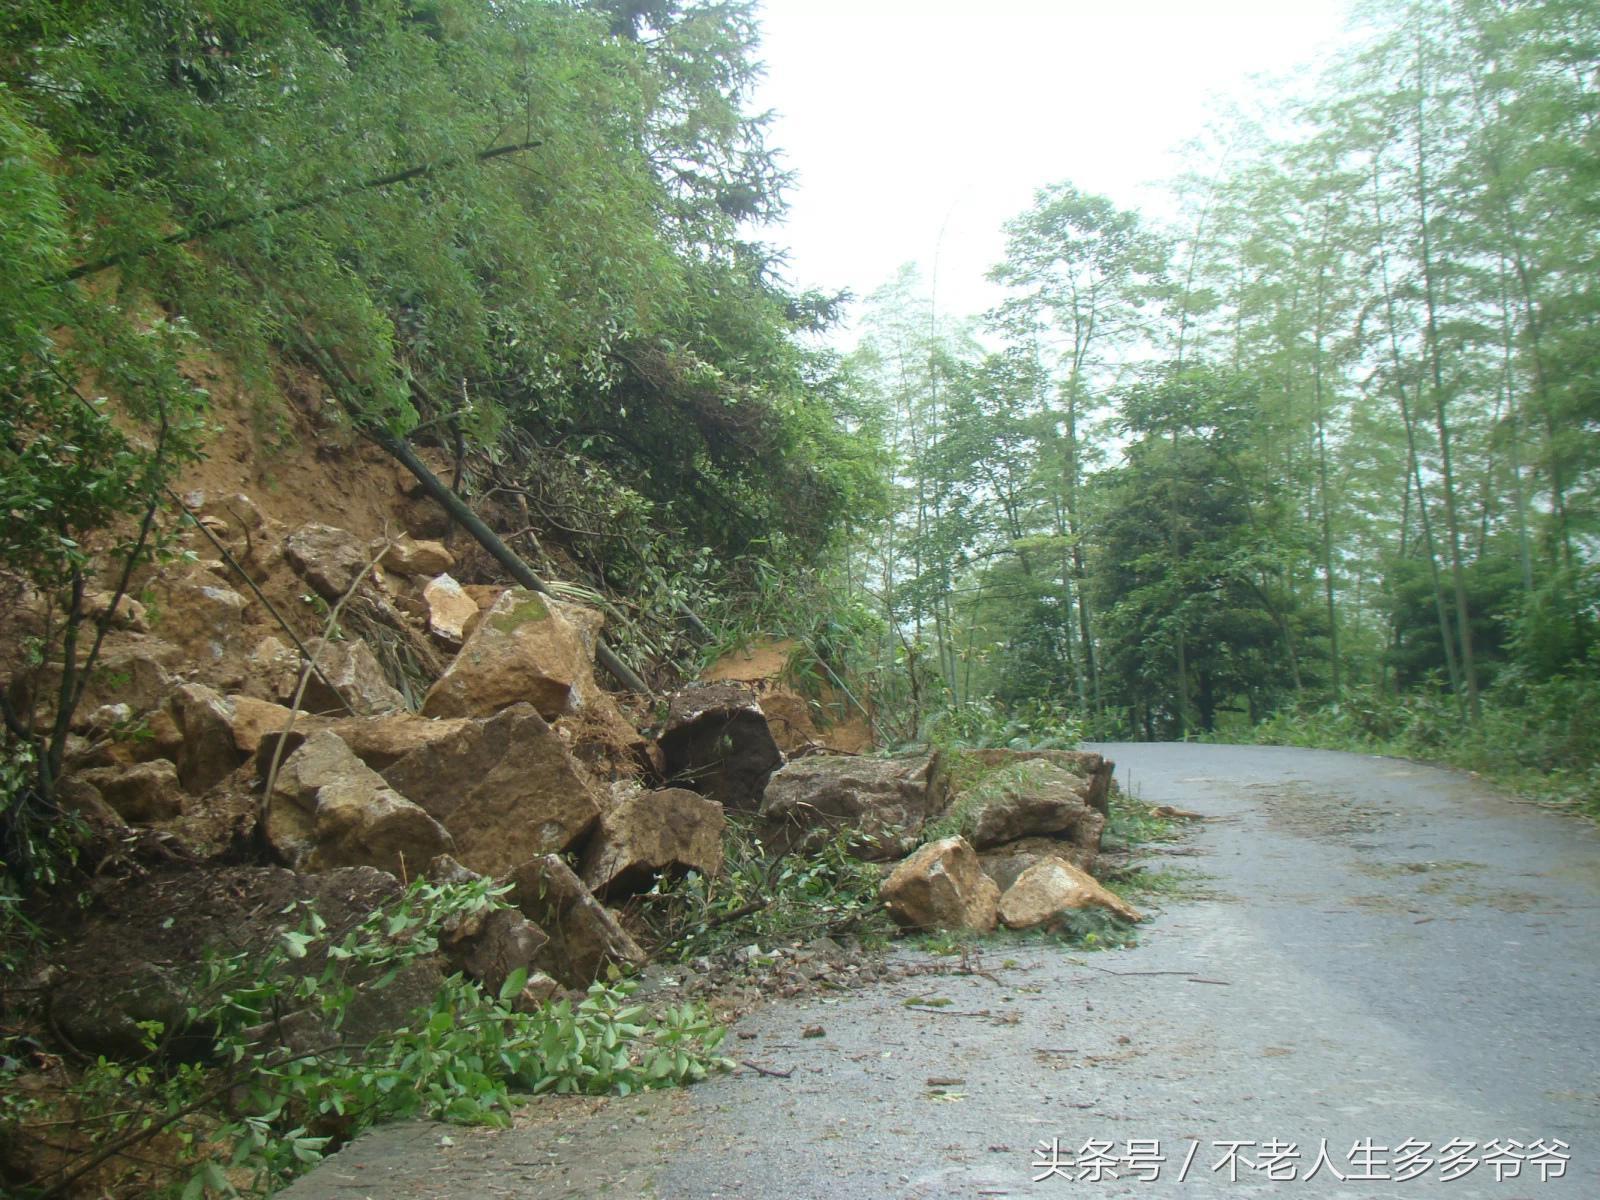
(1380, 955)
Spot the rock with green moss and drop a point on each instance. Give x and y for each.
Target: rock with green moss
(884, 803)
(522, 650)
(1029, 798)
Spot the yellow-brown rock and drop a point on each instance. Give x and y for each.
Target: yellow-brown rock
(1049, 889)
(942, 886)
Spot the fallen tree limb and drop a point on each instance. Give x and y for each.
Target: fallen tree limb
(769, 1073)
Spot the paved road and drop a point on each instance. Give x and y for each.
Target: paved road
(1382, 952)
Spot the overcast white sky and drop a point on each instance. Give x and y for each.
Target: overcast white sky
(917, 126)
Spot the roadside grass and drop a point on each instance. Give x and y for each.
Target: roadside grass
(1538, 741)
(1150, 886)
(768, 899)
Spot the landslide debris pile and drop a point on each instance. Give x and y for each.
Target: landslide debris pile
(430, 728)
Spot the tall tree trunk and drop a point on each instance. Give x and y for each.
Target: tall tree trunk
(1087, 659)
(1413, 466)
(1322, 459)
(1431, 328)
(1508, 390)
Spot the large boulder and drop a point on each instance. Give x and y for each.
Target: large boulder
(138, 792)
(884, 802)
(327, 558)
(1045, 892)
(505, 788)
(523, 650)
(140, 956)
(381, 741)
(329, 809)
(200, 613)
(716, 742)
(358, 682)
(672, 831)
(942, 886)
(207, 751)
(1005, 864)
(584, 937)
(1022, 799)
(1095, 768)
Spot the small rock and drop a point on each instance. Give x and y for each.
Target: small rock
(407, 557)
(328, 558)
(108, 716)
(129, 614)
(813, 1031)
(452, 614)
(272, 671)
(540, 990)
(329, 809)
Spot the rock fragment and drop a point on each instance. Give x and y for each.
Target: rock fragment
(584, 937)
(1046, 891)
(942, 886)
(673, 830)
(505, 788)
(716, 742)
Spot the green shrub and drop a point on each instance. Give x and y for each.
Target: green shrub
(991, 723)
(1539, 737)
(253, 1113)
(757, 897)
